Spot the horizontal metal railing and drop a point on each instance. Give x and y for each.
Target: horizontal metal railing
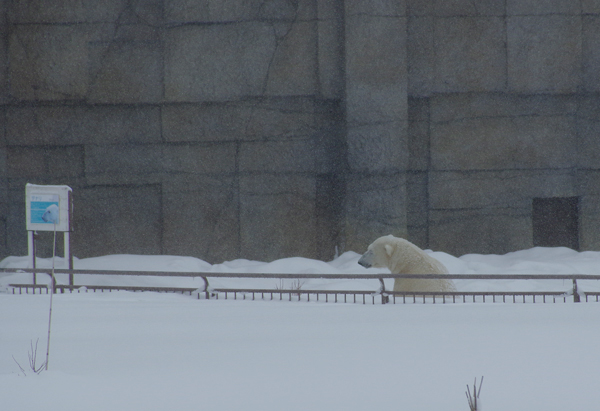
(381, 294)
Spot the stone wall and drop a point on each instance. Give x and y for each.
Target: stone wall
(264, 129)
(376, 121)
(504, 100)
(208, 128)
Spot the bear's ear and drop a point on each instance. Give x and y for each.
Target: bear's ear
(389, 250)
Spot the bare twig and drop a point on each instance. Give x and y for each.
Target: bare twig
(19, 365)
(473, 406)
(33, 359)
(53, 290)
(32, 355)
(295, 285)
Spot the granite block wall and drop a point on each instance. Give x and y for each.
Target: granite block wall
(4, 203)
(501, 99)
(211, 129)
(265, 129)
(376, 120)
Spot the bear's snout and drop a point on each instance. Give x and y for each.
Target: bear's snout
(367, 259)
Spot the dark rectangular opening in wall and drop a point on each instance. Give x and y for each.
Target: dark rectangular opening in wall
(556, 222)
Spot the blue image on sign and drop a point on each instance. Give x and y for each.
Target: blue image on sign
(44, 209)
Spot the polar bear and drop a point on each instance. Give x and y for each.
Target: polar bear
(51, 215)
(403, 257)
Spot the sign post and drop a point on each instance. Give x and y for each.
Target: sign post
(49, 208)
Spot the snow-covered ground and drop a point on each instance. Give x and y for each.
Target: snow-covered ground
(150, 351)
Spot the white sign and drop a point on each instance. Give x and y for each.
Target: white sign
(47, 207)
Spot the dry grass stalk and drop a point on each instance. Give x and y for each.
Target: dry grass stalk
(473, 405)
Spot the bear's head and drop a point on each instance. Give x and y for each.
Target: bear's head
(400, 256)
(380, 252)
(52, 214)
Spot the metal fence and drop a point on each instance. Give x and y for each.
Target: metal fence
(380, 295)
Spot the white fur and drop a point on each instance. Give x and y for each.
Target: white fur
(403, 257)
(51, 215)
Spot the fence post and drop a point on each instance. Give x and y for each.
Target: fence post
(207, 293)
(384, 298)
(576, 297)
